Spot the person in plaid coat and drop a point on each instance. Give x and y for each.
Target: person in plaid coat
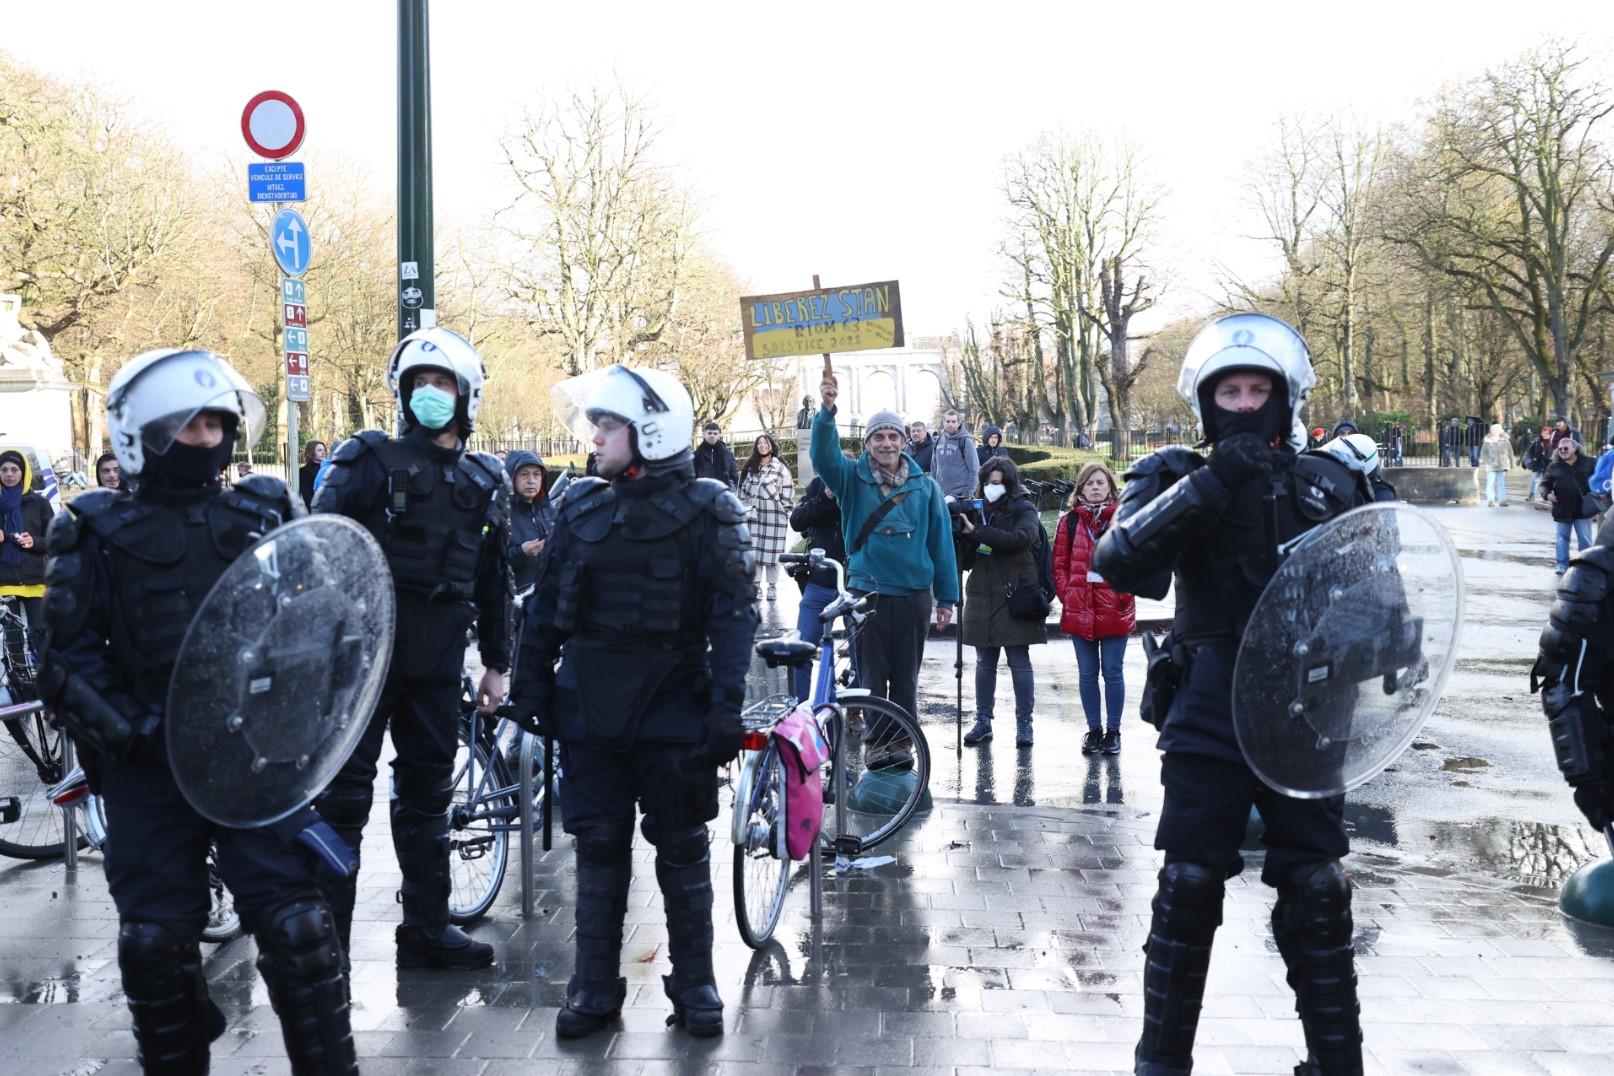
(768, 492)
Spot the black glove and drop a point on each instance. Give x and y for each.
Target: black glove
(1240, 458)
(722, 740)
(1596, 801)
(530, 714)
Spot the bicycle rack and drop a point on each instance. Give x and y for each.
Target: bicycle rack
(524, 759)
(69, 813)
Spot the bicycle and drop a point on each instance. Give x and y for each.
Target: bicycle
(32, 750)
(891, 767)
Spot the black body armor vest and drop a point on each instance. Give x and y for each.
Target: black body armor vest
(433, 517)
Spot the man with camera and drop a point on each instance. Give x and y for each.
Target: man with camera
(899, 544)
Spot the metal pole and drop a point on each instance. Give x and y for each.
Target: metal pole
(524, 759)
(69, 813)
(291, 423)
(417, 295)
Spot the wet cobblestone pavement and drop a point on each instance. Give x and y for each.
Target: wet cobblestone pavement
(1006, 935)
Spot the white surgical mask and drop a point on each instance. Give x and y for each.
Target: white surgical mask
(994, 491)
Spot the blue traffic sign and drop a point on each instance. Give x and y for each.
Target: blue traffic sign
(276, 181)
(289, 242)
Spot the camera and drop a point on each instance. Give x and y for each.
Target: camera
(957, 510)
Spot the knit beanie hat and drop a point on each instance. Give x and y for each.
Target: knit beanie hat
(885, 420)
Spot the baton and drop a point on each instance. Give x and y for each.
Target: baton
(549, 788)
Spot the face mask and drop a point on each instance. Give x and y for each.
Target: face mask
(189, 466)
(432, 407)
(993, 491)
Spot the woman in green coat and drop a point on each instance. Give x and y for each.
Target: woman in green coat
(1000, 553)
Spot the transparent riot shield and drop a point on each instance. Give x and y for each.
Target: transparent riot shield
(1347, 650)
(280, 671)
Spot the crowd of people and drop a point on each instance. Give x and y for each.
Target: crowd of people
(645, 579)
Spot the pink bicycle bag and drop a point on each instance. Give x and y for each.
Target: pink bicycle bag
(803, 750)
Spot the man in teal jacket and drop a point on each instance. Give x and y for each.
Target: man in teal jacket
(905, 555)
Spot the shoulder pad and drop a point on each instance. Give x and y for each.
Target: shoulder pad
(358, 445)
(66, 527)
(1176, 461)
(270, 492)
(489, 464)
(1343, 486)
(718, 499)
(583, 495)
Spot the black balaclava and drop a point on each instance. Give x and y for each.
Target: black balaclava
(190, 467)
(1267, 421)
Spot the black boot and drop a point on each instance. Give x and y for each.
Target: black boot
(1311, 923)
(174, 1019)
(596, 991)
(300, 959)
(426, 939)
(683, 869)
(1187, 911)
(346, 809)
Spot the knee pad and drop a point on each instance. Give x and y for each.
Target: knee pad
(604, 844)
(345, 806)
(685, 847)
(1188, 904)
(297, 943)
(158, 959)
(424, 789)
(1314, 904)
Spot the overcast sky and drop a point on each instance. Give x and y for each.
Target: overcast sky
(858, 141)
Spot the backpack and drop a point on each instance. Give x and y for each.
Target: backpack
(1045, 562)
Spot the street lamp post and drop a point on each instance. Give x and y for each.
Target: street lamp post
(417, 296)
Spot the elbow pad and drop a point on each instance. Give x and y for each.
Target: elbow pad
(1147, 540)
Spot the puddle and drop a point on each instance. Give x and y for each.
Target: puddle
(1534, 853)
(1465, 764)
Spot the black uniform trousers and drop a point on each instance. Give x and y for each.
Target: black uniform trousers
(156, 852)
(603, 787)
(424, 719)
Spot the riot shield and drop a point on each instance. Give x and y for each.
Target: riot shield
(1347, 650)
(279, 671)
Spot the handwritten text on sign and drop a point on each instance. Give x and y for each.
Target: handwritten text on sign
(854, 318)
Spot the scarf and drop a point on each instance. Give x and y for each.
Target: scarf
(11, 523)
(887, 480)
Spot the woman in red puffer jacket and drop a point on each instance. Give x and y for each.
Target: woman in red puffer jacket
(1097, 619)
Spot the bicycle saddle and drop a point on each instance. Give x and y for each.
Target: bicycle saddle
(786, 650)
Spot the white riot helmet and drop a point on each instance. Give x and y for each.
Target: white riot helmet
(157, 393)
(1357, 451)
(652, 402)
(1248, 342)
(442, 349)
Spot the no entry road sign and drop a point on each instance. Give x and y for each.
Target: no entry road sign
(272, 124)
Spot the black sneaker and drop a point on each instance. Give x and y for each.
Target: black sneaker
(451, 948)
(980, 733)
(1093, 742)
(1112, 742)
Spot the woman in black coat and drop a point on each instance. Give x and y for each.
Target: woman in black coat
(1567, 486)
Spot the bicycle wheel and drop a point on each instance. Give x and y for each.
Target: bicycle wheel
(761, 862)
(885, 773)
(223, 921)
(479, 821)
(30, 762)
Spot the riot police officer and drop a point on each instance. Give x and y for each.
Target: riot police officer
(646, 567)
(1217, 526)
(126, 576)
(441, 516)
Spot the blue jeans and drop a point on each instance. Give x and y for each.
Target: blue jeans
(1496, 486)
(811, 629)
(1535, 479)
(986, 680)
(1109, 657)
(1583, 533)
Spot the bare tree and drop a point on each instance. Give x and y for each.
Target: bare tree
(602, 234)
(1511, 195)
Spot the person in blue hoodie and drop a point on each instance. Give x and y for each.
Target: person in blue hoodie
(899, 543)
(532, 515)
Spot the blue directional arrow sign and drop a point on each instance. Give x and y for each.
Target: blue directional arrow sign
(289, 242)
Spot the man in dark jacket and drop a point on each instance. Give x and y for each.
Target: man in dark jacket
(1536, 456)
(818, 517)
(1451, 444)
(713, 458)
(532, 515)
(921, 446)
(1567, 486)
(1561, 430)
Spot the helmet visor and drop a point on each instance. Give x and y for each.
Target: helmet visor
(239, 410)
(614, 392)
